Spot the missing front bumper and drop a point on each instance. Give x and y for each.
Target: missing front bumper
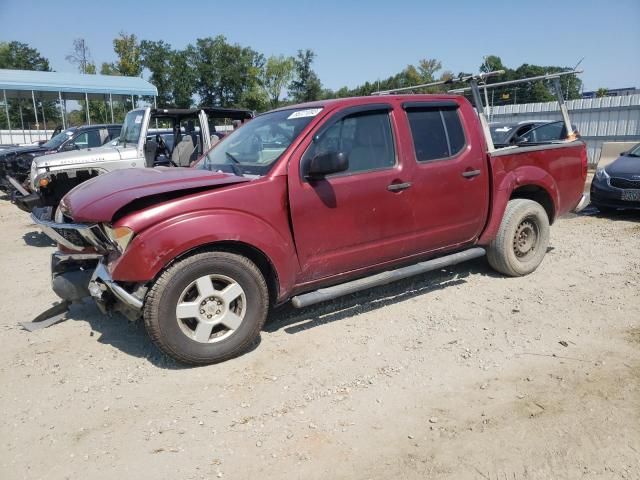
(102, 282)
(77, 276)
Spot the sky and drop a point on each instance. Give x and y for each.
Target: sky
(355, 41)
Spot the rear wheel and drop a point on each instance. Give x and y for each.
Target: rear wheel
(207, 308)
(522, 239)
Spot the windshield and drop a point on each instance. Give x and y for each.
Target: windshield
(131, 128)
(501, 133)
(59, 139)
(254, 148)
(634, 152)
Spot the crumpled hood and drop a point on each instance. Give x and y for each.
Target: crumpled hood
(90, 155)
(625, 167)
(14, 152)
(98, 199)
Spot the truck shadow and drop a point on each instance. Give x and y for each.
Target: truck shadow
(37, 239)
(132, 339)
(616, 215)
(294, 320)
(129, 337)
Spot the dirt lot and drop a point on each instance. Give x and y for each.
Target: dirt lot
(459, 374)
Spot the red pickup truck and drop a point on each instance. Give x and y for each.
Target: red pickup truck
(307, 203)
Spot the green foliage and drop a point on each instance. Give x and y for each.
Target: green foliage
(601, 92)
(157, 56)
(225, 73)
(276, 74)
(183, 77)
(129, 63)
(306, 86)
(530, 92)
(20, 56)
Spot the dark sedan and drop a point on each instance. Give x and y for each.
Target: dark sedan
(15, 162)
(618, 184)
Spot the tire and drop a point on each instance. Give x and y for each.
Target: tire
(221, 290)
(522, 239)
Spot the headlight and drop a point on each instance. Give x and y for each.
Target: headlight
(119, 236)
(602, 175)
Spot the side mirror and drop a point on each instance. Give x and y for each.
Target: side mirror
(69, 147)
(326, 164)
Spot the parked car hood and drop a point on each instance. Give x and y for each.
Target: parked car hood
(90, 155)
(624, 167)
(15, 151)
(98, 199)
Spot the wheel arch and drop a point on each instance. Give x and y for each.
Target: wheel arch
(257, 256)
(527, 182)
(537, 194)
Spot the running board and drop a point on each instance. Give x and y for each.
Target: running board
(384, 278)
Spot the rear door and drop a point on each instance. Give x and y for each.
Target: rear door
(358, 218)
(449, 195)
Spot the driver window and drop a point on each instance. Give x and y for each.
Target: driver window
(366, 139)
(546, 133)
(81, 141)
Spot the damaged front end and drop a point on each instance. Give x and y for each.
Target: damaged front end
(80, 268)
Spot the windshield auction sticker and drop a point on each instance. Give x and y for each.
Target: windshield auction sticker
(309, 112)
(138, 119)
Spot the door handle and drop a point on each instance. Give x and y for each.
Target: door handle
(398, 187)
(471, 173)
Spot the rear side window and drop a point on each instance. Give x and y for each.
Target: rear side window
(437, 133)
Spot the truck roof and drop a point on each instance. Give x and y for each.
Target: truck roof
(363, 100)
(212, 112)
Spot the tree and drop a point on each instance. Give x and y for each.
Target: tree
(20, 56)
(530, 92)
(601, 92)
(428, 68)
(277, 73)
(183, 77)
(157, 56)
(225, 73)
(306, 86)
(491, 64)
(129, 61)
(81, 56)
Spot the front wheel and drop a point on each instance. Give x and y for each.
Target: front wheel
(522, 239)
(207, 308)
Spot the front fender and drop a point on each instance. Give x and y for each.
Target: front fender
(505, 183)
(156, 247)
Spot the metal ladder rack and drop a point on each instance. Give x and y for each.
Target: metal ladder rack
(474, 87)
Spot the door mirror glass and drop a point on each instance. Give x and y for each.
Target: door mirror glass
(326, 164)
(70, 146)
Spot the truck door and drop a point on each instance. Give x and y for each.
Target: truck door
(353, 219)
(449, 195)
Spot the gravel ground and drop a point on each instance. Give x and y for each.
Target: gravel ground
(456, 374)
